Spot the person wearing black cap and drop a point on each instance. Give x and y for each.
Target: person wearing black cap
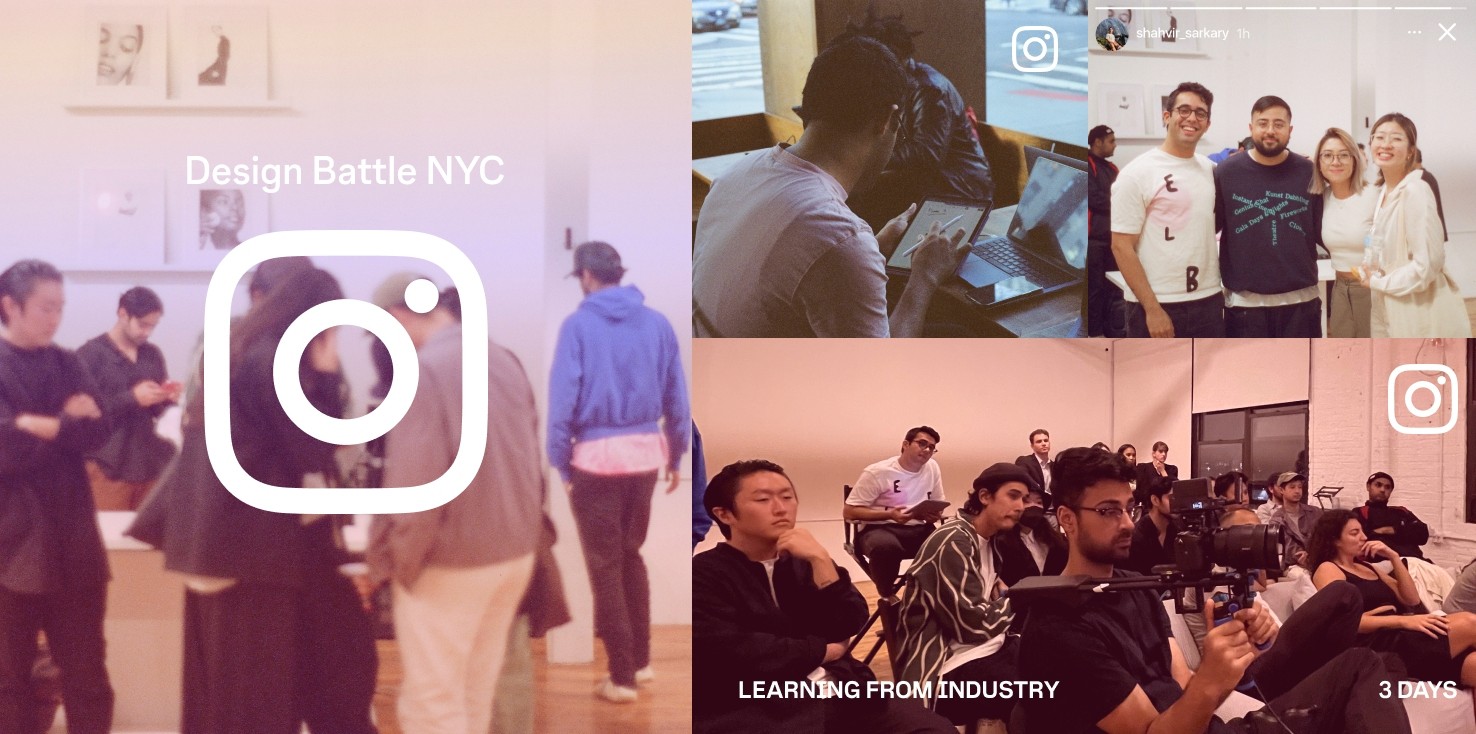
(1396, 526)
(1103, 299)
(618, 416)
(954, 622)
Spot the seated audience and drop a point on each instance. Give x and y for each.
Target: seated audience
(1273, 487)
(770, 605)
(1396, 526)
(1119, 669)
(882, 500)
(954, 623)
(1037, 463)
(1432, 647)
(1295, 519)
(1034, 547)
(1233, 487)
(1153, 536)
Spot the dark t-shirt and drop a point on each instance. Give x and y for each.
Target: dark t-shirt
(1146, 551)
(1098, 652)
(1269, 224)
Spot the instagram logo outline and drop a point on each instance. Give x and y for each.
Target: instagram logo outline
(345, 243)
(1042, 33)
(1445, 374)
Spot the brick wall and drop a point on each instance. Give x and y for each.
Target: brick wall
(1351, 436)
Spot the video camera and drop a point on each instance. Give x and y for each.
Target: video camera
(1199, 547)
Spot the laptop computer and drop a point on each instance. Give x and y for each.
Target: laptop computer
(1044, 249)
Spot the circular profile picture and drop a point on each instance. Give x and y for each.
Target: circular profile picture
(1112, 34)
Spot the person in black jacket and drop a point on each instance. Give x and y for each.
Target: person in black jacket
(1103, 298)
(938, 151)
(263, 589)
(1033, 547)
(53, 570)
(133, 383)
(1396, 526)
(770, 605)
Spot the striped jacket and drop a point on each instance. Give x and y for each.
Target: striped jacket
(945, 601)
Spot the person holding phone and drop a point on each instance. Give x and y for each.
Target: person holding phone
(1414, 294)
(1433, 647)
(133, 382)
(884, 501)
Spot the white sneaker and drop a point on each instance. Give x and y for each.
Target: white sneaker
(645, 675)
(613, 693)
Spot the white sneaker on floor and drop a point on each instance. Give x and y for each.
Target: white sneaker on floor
(608, 691)
(645, 675)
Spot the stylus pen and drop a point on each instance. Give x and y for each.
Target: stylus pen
(922, 237)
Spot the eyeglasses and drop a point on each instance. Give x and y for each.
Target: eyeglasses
(1277, 125)
(931, 448)
(1111, 513)
(1199, 113)
(1329, 157)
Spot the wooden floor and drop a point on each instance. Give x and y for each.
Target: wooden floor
(881, 664)
(565, 701)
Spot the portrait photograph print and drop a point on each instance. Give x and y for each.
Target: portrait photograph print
(221, 218)
(221, 54)
(121, 53)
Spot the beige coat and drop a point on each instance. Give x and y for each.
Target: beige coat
(1415, 297)
(500, 514)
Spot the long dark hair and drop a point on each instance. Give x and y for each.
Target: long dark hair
(1323, 545)
(282, 305)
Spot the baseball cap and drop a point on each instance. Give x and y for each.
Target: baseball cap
(391, 293)
(1379, 475)
(1287, 476)
(997, 475)
(600, 258)
(1097, 133)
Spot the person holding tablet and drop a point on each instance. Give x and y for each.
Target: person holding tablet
(886, 501)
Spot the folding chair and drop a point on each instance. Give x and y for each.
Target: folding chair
(886, 607)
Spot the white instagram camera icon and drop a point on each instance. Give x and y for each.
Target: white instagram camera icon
(1045, 60)
(1445, 375)
(217, 373)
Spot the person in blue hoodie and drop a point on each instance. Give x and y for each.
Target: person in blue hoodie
(618, 415)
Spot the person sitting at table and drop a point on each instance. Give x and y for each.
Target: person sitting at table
(779, 254)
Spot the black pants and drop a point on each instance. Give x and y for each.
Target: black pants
(1003, 665)
(1313, 635)
(885, 546)
(1104, 300)
(1204, 318)
(1299, 320)
(892, 716)
(613, 514)
(72, 618)
(1346, 691)
(266, 659)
